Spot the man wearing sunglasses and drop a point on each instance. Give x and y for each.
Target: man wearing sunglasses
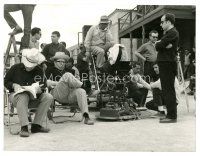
(167, 51)
(65, 87)
(147, 52)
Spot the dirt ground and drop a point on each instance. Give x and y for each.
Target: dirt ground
(146, 134)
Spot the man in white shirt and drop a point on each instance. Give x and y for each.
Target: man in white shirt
(138, 87)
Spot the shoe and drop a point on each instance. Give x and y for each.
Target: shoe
(158, 115)
(191, 93)
(39, 129)
(17, 30)
(24, 131)
(167, 120)
(88, 121)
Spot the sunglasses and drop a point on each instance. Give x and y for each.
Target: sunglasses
(60, 61)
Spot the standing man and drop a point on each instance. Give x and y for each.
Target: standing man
(35, 37)
(50, 49)
(27, 11)
(167, 49)
(147, 52)
(83, 67)
(98, 40)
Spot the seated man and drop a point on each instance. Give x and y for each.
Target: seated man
(98, 40)
(25, 74)
(66, 88)
(157, 102)
(138, 88)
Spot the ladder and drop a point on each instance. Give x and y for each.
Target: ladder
(11, 42)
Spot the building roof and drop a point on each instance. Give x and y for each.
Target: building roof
(118, 10)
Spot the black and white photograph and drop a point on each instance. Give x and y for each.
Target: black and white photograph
(99, 76)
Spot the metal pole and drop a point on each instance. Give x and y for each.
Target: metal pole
(78, 38)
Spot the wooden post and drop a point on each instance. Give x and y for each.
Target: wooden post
(131, 46)
(143, 34)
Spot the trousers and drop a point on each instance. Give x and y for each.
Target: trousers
(22, 102)
(167, 73)
(100, 53)
(68, 91)
(27, 11)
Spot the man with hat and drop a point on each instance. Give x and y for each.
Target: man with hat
(65, 87)
(26, 74)
(98, 40)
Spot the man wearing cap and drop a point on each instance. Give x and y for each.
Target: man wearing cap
(98, 40)
(65, 87)
(26, 74)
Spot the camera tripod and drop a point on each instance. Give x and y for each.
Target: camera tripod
(180, 76)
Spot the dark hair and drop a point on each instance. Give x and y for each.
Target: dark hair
(134, 64)
(155, 63)
(56, 33)
(71, 60)
(170, 17)
(63, 43)
(35, 31)
(153, 31)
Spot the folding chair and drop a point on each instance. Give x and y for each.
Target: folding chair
(11, 112)
(57, 105)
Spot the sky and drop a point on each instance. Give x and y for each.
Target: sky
(68, 18)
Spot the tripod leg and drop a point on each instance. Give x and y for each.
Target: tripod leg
(184, 86)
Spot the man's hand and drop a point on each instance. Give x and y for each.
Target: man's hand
(157, 41)
(169, 46)
(87, 54)
(16, 87)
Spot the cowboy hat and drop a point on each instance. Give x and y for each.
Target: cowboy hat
(59, 55)
(104, 19)
(32, 57)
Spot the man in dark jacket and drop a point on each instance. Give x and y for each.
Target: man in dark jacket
(19, 77)
(167, 49)
(50, 49)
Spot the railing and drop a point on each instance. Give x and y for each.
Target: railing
(136, 13)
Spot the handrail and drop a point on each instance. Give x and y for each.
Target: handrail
(140, 11)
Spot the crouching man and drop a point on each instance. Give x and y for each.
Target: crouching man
(21, 75)
(66, 88)
(157, 103)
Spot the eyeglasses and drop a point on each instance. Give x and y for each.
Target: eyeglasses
(60, 61)
(154, 36)
(162, 22)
